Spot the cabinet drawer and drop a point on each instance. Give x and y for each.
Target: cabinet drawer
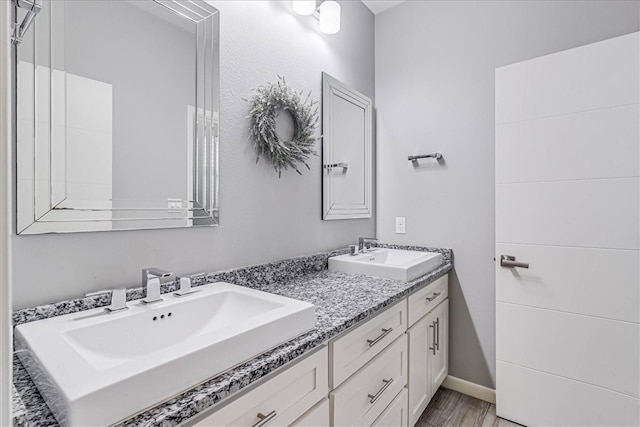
(350, 352)
(282, 399)
(396, 413)
(315, 417)
(428, 298)
(364, 396)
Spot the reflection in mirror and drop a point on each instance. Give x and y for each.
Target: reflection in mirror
(117, 116)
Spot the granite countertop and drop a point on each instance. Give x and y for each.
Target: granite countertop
(342, 300)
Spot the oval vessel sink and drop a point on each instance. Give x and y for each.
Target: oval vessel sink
(396, 264)
(95, 368)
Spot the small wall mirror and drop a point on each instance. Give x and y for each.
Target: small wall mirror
(347, 176)
(117, 107)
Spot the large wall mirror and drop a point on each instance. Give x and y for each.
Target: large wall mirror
(117, 107)
(347, 151)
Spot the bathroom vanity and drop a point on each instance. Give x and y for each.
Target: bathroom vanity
(382, 372)
(375, 357)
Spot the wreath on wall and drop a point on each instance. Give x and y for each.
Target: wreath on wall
(267, 101)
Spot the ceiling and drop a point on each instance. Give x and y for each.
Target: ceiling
(377, 6)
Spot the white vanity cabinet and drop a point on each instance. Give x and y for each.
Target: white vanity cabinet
(428, 345)
(382, 372)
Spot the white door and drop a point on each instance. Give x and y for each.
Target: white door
(567, 203)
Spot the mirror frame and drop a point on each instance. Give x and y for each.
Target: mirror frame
(52, 216)
(333, 89)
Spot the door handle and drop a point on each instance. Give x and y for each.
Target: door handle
(437, 345)
(510, 261)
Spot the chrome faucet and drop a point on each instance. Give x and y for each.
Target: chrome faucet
(118, 299)
(362, 241)
(151, 283)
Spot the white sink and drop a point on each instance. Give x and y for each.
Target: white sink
(396, 264)
(94, 368)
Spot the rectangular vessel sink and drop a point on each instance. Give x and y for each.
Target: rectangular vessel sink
(396, 264)
(95, 368)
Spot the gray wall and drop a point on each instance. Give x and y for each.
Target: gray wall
(263, 218)
(435, 64)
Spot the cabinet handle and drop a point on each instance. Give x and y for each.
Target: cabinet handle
(376, 340)
(434, 296)
(264, 419)
(374, 397)
(433, 340)
(437, 345)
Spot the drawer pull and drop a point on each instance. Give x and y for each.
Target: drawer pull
(374, 397)
(433, 340)
(376, 340)
(434, 296)
(264, 419)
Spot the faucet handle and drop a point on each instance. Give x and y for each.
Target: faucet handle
(185, 286)
(118, 299)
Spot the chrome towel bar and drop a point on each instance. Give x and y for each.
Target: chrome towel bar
(436, 156)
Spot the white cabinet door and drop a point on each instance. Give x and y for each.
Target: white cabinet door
(567, 203)
(428, 358)
(419, 354)
(439, 334)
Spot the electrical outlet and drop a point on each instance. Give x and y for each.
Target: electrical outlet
(400, 225)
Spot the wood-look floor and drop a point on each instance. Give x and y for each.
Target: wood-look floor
(452, 409)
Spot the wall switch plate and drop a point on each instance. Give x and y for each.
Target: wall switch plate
(400, 225)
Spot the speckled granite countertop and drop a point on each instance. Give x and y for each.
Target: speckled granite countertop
(341, 301)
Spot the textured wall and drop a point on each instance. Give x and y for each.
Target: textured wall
(263, 218)
(435, 66)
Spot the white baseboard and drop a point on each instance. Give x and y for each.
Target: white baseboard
(470, 389)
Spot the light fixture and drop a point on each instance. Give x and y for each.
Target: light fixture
(329, 17)
(328, 13)
(304, 7)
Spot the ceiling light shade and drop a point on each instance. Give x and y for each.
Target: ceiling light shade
(304, 7)
(329, 17)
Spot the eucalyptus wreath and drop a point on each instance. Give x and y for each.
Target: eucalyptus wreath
(267, 100)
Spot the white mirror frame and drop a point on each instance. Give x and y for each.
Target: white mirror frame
(337, 128)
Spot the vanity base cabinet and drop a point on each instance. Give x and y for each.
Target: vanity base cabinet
(281, 400)
(377, 374)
